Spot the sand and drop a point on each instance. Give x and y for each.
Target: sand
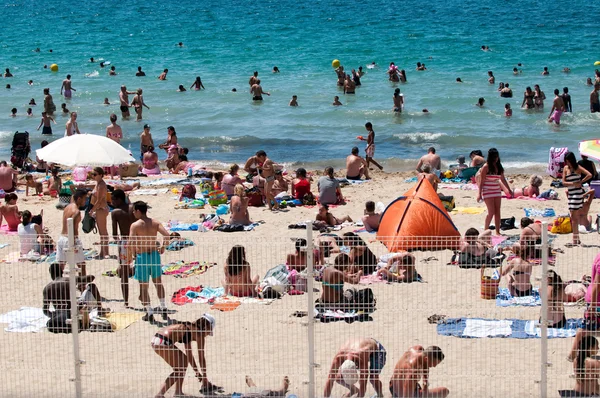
(265, 341)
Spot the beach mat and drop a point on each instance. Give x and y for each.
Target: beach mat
(326, 316)
(120, 321)
(25, 320)
(506, 328)
(505, 299)
(182, 269)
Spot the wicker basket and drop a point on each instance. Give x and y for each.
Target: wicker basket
(489, 286)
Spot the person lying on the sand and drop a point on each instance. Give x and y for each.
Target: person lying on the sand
(325, 216)
(163, 344)
(334, 278)
(123, 186)
(9, 211)
(476, 244)
(413, 367)
(519, 274)
(298, 260)
(238, 281)
(256, 392)
(359, 360)
(532, 190)
(399, 268)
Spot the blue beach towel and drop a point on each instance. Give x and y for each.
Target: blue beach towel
(506, 328)
(505, 299)
(184, 227)
(547, 212)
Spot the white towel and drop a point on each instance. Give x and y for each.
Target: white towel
(25, 320)
(481, 328)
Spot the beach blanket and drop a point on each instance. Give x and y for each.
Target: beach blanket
(505, 299)
(348, 316)
(169, 181)
(181, 269)
(547, 212)
(179, 244)
(184, 227)
(25, 320)
(506, 328)
(468, 210)
(4, 230)
(148, 192)
(88, 254)
(120, 321)
(209, 295)
(464, 187)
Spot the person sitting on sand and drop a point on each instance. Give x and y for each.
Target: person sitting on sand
(53, 184)
(356, 166)
(556, 299)
(476, 244)
(280, 185)
(239, 207)
(426, 174)
(477, 159)
(586, 367)
(301, 184)
(163, 344)
(334, 278)
(10, 212)
(329, 188)
(519, 274)
(8, 177)
(298, 260)
(231, 179)
(532, 190)
(150, 162)
(399, 268)
(238, 281)
(458, 168)
(31, 183)
(256, 392)
(30, 234)
(325, 216)
(172, 158)
(371, 219)
(413, 367)
(359, 360)
(362, 257)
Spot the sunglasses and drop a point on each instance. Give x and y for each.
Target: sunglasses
(94, 174)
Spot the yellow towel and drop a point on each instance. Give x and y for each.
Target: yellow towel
(120, 321)
(468, 210)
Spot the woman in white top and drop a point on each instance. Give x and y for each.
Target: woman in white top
(29, 234)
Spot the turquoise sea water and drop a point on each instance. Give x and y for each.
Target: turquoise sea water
(224, 42)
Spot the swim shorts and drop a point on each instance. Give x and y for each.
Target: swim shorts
(257, 98)
(67, 93)
(377, 359)
(61, 247)
(595, 107)
(122, 250)
(556, 116)
(124, 108)
(418, 391)
(46, 130)
(147, 265)
(355, 178)
(370, 150)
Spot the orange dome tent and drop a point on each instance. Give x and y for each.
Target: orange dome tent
(418, 220)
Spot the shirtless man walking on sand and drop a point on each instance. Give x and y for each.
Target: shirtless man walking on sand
(358, 360)
(257, 91)
(124, 101)
(72, 211)
(122, 218)
(432, 159)
(356, 166)
(414, 366)
(66, 87)
(142, 247)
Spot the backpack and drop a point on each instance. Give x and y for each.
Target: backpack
(188, 191)
(88, 224)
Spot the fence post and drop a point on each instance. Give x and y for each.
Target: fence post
(311, 309)
(544, 314)
(74, 310)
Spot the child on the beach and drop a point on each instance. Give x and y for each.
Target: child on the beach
(9, 211)
(328, 218)
(371, 219)
(31, 183)
(507, 110)
(399, 268)
(370, 149)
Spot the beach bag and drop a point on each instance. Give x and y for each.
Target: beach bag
(88, 224)
(556, 161)
(255, 198)
(58, 322)
(188, 191)
(279, 274)
(218, 197)
(361, 300)
(448, 202)
(561, 225)
(309, 199)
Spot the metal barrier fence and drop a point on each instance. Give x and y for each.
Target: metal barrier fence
(493, 346)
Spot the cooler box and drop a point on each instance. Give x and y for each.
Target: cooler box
(595, 185)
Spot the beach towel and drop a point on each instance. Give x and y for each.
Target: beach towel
(179, 244)
(371, 279)
(182, 269)
(120, 321)
(184, 227)
(180, 297)
(505, 299)
(556, 161)
(148, 192)
(464, 187)
(349, 316)
(169, 181)
(25, 320)
(3, 245)
(4, 230)
(468, 210)
(547, 212)
(507, 328)
(226, 307)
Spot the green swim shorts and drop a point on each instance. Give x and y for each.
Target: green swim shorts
(147, 265)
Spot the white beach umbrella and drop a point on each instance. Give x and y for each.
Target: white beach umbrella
(85, 150)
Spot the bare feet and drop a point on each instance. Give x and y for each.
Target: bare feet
(249, 382)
